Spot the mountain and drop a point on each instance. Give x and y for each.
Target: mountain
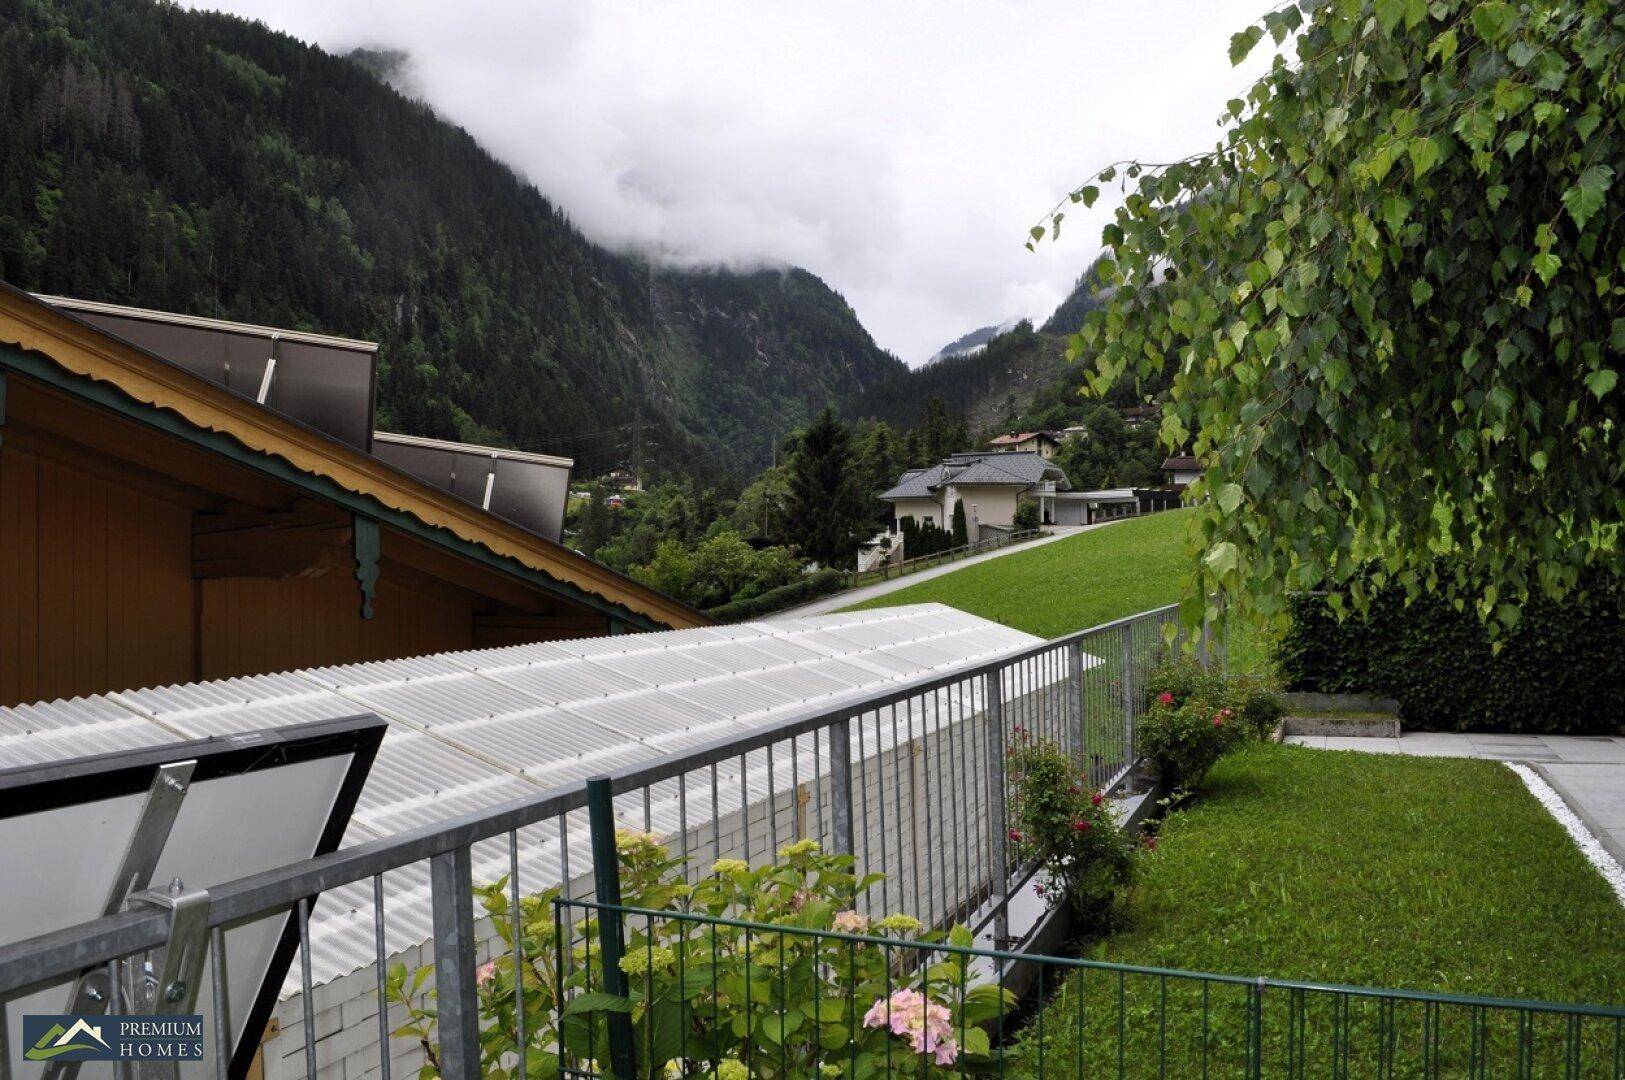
(987, 385)
(971, 342)
(1086, 296)
(196, 162)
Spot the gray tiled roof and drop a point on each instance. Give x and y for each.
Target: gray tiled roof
(1022, 469)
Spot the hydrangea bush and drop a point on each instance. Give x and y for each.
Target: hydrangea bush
(1065, 827)
(716, 1000)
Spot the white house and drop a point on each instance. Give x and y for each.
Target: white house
(1182, 469)
(990, 485)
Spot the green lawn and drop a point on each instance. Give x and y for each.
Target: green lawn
(1416, 873)
(1072, 584)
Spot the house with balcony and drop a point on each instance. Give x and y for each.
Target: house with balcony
(1182, 469)
(990, 485)
(1043, 443)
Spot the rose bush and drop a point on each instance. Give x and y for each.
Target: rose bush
(1066, 827)
(715, 1000)
(1193, 716)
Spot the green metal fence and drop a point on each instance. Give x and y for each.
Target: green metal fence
(698, 993)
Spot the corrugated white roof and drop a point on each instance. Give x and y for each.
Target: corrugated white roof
(474, 729)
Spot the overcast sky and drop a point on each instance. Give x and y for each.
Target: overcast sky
(899, 150)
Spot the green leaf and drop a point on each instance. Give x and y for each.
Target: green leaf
(1424, 153)
(1088, 194)
(1222, 558)
(1493, 19)
(597, 1001)
(1421, 291)
(1241, 44)
(1228, 496)
(1601, 381)
(1546, 265)
(1585, 198)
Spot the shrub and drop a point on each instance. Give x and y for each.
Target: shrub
(1193, 715)
(1184, 738)
(809, 587)
(1026, 516)
(1253, 698)
(1067, 828)
(716, 1000)
(1560, 669)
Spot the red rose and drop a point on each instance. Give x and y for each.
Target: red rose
(1080, 826)
(1097, 798)
(1218, 721)
(1166, 698)
(1073, 790)
(1150, 843)
(1015, 834)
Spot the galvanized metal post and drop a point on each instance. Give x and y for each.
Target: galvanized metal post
(840, 780)
(451, 890)
(606, 876)
(1204, 644)
(1128, 694)
(998, 819)
(1074, 702)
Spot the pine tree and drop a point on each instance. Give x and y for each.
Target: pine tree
(595, 523)
(961, 529)
(827, 501)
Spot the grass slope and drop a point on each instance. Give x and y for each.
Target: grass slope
(1404, 872)
(1068, 585)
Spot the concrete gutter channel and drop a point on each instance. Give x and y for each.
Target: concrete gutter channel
(1038, 928)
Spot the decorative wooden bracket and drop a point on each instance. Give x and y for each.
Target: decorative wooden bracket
(365, 533)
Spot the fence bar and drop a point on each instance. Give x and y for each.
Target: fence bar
(451, 890)
(1128, 695)
(606, 871)
(1074, 702)
(840, 773)
(997, 823)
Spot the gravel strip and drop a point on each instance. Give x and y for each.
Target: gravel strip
(1593, 850)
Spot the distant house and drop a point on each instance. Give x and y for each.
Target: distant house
(1092, 507)
(621, 479)
(1042, 443)
(1135, 415)
(990, 485)
(1182, 469)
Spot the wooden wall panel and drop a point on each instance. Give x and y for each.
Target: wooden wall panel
(96, 588)
(255, 625)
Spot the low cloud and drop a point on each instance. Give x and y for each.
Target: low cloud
(900, 151)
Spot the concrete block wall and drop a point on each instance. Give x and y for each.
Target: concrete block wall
(920, 814)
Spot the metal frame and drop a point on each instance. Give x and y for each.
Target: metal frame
(153, 922)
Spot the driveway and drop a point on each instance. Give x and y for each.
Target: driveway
(881, 588)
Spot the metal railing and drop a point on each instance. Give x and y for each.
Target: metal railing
(1086, 1018)
(886, 570)
(910, 782)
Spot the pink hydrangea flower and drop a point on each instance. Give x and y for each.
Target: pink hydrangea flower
(926, 1025)
(485, 974)
(850, 922)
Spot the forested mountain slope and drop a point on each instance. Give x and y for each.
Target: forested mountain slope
(199, 163)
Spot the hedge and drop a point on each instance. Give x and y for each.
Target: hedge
(814, 585)
(1561, 670)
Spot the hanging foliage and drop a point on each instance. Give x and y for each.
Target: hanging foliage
(1391, 300)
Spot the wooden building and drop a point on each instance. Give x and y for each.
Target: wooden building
(157, 527)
